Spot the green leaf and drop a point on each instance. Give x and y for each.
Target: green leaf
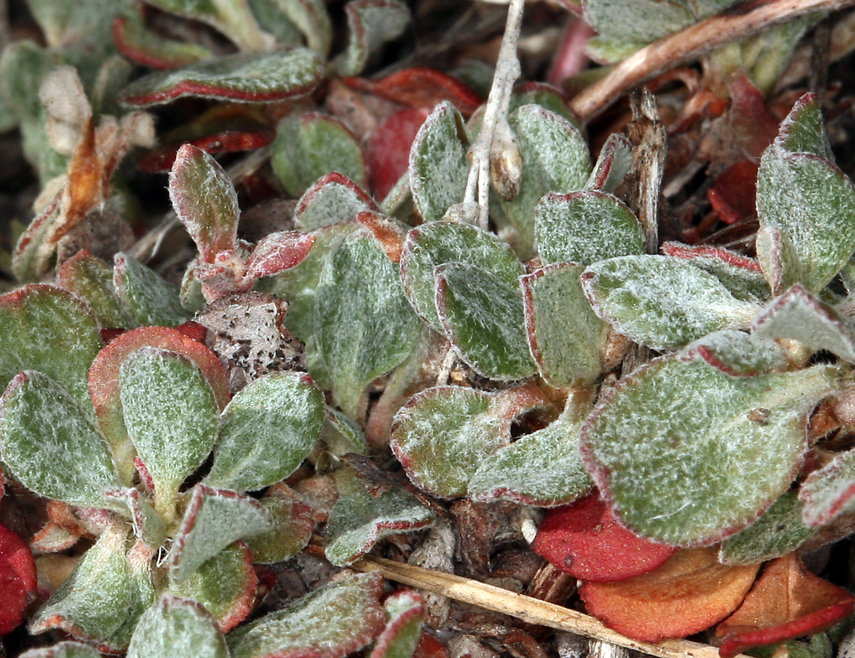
(51, 446)
(406, 613)
(133, 36)
(613, 164)
(555, 159)
(66, 23)
(148, 525)
(63, 650)
(214, 519)
(171, 417)
(812, 203)
(245, 77)
(543, 94)
(364, 324)
(639, 22)
(68, 338)
(803, 131)
(544, 468)
(91, 279)
(225, 585)
(312, 19)
(276, 22)
(778, 259)
(484, 319)
(585, 227)
(799, 315)
(662, 302)
(358, 520)
(739, 354)
(293, 524)
(688, 454)
(434, 244)
(778, 532)
(371, 23)
(266, 431)
(177, 628)
(333, 199)
(438, 164)
(341, 435)
(828, 492)
(444, 434)
(312, 145)
(330, 622)
(150, 299)
(566, 339)
(205, 201)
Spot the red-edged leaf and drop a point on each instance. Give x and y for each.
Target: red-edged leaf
(733, 193)
(141, 45)
(277, 252)
(388, 151)
(17, 579)
(786, 602)
(402, 633)
(689, 593)
(420, 88)
(585, 540)
(331, 199)
(161, 159)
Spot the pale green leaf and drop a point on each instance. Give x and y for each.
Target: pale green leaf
(91, 279)
(293, 524)
(63, 650)
(66, 23)
(150, 299)
(276, 22)
(371, 23)
(613, 164)
(662, 302)
(331, 200)
(311, 17)
(177, 628)
(803, 131)
(828, 492)
(778, 259)
(51, 446)
(406, 613)
(341, 435)
(739, 354)
(134, 35)
(689, 455)
(641, 21)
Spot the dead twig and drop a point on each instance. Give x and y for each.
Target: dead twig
(731, 25)
(526, 608)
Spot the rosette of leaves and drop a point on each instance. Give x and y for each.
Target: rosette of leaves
(116, 443)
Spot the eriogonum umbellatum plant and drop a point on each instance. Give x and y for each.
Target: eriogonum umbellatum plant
(363, 362)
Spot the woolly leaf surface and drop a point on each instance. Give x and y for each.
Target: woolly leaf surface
(148, 525)
(310, 146)
(689, 455)
(613, 164)
(151, 299)
(330, 622)
(406, 613)
(484, 318)
(828, 492)
(438, 243)
(798, 314)
(438, 164)
(778, 532)
(266, 431)
(640, 22)
(803, 130)
(812, 203)
(245, 77)
(332, 199)
(144, 46)
(585, 227)
(358, 520)
(51, 446)
(63, 650)
(341, 435)
(739, 354)
(292, 526)
(364, 324)
(171, 417)
(778, 259)
(444, 434)
(68, 338)
(565, 337)
(177, 628)
(371, 23)
(91, 279)
(213, 520)
(661, 302)
(555, 158)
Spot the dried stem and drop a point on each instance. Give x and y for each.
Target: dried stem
(507, 71)
(736, 23)
(526, 608)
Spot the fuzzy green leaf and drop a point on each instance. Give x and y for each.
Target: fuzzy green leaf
(145, 45)
(371, 23)
(331, 200)
(565, 337)
(662, 302)
(543, 468)
(778, 532)
(444, 434)
(613, 164)
(437, 243)
(799, 315)
(438, 164)
(177, 628)
(312, 19)
(205, 201)
(51, 446)
(171, 417)
(292, 526)
(310, 146)
(406, 613)
(812, 203)
(358, 520)
(540, 93)
(151, 300)
(555, 158)
(739, 354)
(276, 22)
(688, 454)
(803, 131)
(364, 324)
(244, 77)
(63, 650)
(66, 23)
(148, 525)
(585, 227)
(828, 492)
(484, 318)
(266, 431)
(341, 435)
(68, 338)
(778, 259)
(638, 22)
(304, 627)
(91, 279)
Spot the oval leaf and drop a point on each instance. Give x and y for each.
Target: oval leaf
(332, 199)
(293, 524)
(151, 299)
(827, 493)
(371, 23)
(177, 628)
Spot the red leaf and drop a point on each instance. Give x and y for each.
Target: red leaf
(752, 125)
(388, 151)
(786, 602)
(161, 159)
(193, 330)
(420, 88)
(278, 252)
(18, 579)
(733, 194)
(585, 540)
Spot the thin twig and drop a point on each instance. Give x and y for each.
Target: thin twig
(731, 25)
(526, 608)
